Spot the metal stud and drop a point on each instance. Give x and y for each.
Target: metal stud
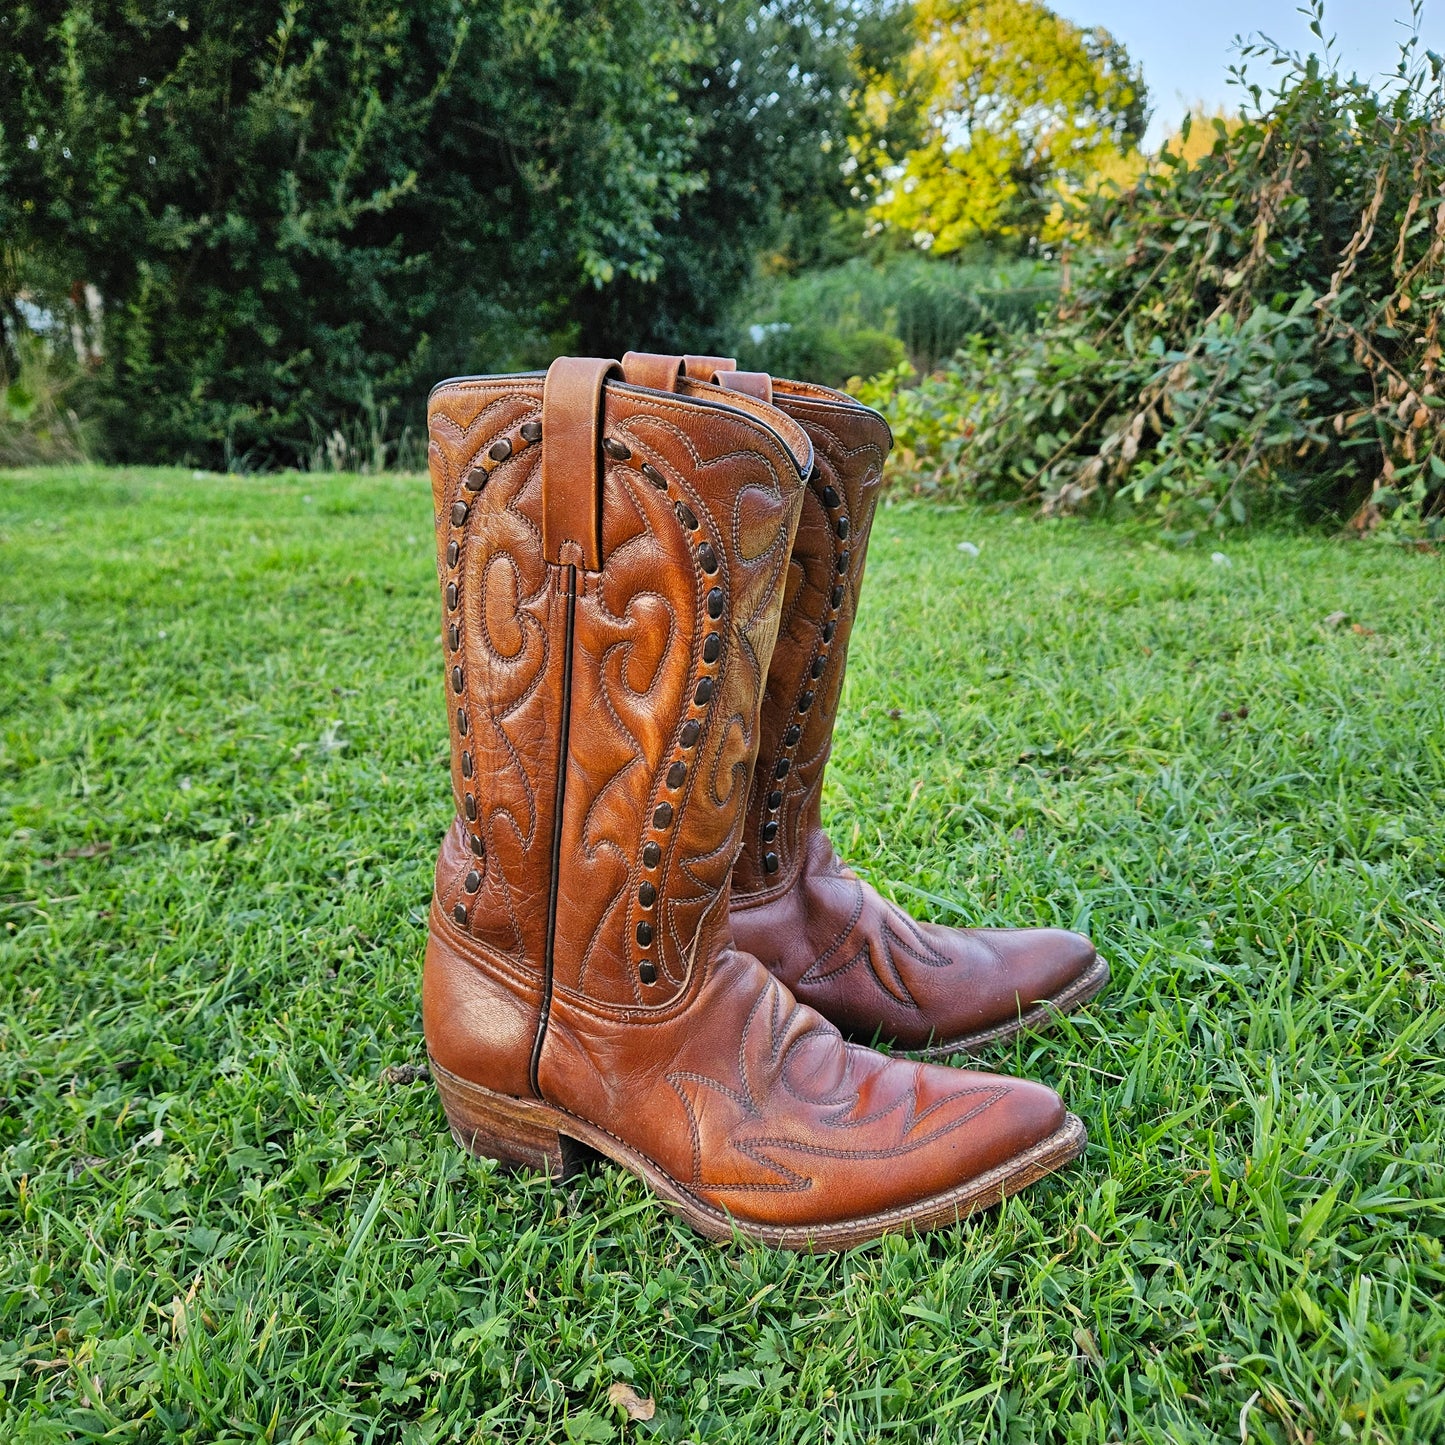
(662, 815)
(686, 516)
(819, 663)
(459, 679)
(454, 636)
(805, 701)
(454, 552)
(690, 730)
(842, 528)
(500, 451)
(842, 562)
(715, 602)
(646, 972)
(835, 598)
(644, 934)
(830, 498)
(469, 807)
(704, 692)
(792, 735)
(829, 628)
(463, 724)
(770, 862)
(459, 912)
(711, 648)
(475, 479)
(770, 830)
(459, 513)
(467, 767)
(453, 596)
(707, 558)
(677, 775)
(775, 800)
(618, 451)
(781, 771)
(477, 846)
(651, 855)
(647, 895)
(472, 882)
(654, 476)
(531, 431)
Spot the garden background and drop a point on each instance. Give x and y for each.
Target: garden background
(1150, 647)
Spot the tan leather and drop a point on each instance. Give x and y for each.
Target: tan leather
(647, 368)
(858, 959)
(604, 733)
(695, 368)
(572, 460)
(754, 383)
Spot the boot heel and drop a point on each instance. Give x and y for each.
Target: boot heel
(517, 1133)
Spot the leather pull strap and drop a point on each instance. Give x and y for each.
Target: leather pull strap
(651, 368)
(661, 373)
(753, 383)
(572, 460)
(705, 368)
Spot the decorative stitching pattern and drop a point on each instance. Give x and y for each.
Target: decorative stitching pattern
(703, 678)
(484, 462)
(776, 1061)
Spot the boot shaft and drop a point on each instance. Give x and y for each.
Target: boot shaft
(805, 678)
(611, 563)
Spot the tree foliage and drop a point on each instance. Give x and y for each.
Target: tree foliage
(1259, 329)
(995, 106)
(772, 105)
(294, 211)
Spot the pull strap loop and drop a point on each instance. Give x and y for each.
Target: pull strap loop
(705, 368)
(751, 383)
(572, 460)
(662, 373)
(652, 369)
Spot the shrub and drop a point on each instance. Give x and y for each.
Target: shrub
(819, 352)
(1258, 330)
(38, 424)
(931, 307)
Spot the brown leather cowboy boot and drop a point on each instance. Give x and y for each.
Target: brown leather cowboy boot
(612, 563)
(862, 962)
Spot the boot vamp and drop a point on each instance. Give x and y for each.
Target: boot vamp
(878, 974)
(755, 1104)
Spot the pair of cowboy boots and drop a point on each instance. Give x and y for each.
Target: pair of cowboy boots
(642, 944)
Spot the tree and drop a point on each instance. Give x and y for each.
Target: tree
(996, 107)
(772, 102)
(295, 211)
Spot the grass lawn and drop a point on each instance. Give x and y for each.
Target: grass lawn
(229, 1212)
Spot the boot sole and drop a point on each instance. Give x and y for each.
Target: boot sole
(528, 1134)
(1038, 1019)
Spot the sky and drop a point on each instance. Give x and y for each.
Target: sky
(1186, 46)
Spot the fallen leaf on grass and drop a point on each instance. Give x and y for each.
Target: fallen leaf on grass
(404, 1073)
(1084, 1339)
(1363, 631)
(1336, 618)
(626, 1398)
